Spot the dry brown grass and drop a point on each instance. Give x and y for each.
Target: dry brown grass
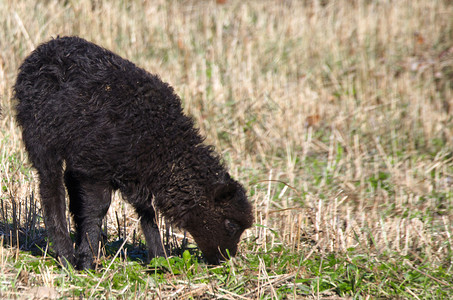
(337, 115)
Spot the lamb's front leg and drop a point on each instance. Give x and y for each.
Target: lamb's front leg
(153, 239)
(151, 231)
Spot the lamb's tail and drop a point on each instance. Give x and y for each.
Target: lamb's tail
(41, 74)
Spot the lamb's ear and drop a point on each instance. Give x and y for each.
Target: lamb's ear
(223, 191)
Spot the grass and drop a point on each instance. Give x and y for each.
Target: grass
(336, 115)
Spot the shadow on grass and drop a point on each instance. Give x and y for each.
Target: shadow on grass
(22, 227)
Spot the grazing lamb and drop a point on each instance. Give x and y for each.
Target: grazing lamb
(109, 125)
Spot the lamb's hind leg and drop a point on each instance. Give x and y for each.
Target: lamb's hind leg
(54, 207)
(89, 201)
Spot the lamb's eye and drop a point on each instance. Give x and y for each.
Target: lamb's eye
(231, 227)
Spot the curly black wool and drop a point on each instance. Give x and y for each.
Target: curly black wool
(95, 122)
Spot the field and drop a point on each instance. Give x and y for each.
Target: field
(336, 115)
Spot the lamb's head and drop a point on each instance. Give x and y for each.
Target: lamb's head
(217, 223)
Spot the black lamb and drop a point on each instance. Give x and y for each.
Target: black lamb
(107, 125)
